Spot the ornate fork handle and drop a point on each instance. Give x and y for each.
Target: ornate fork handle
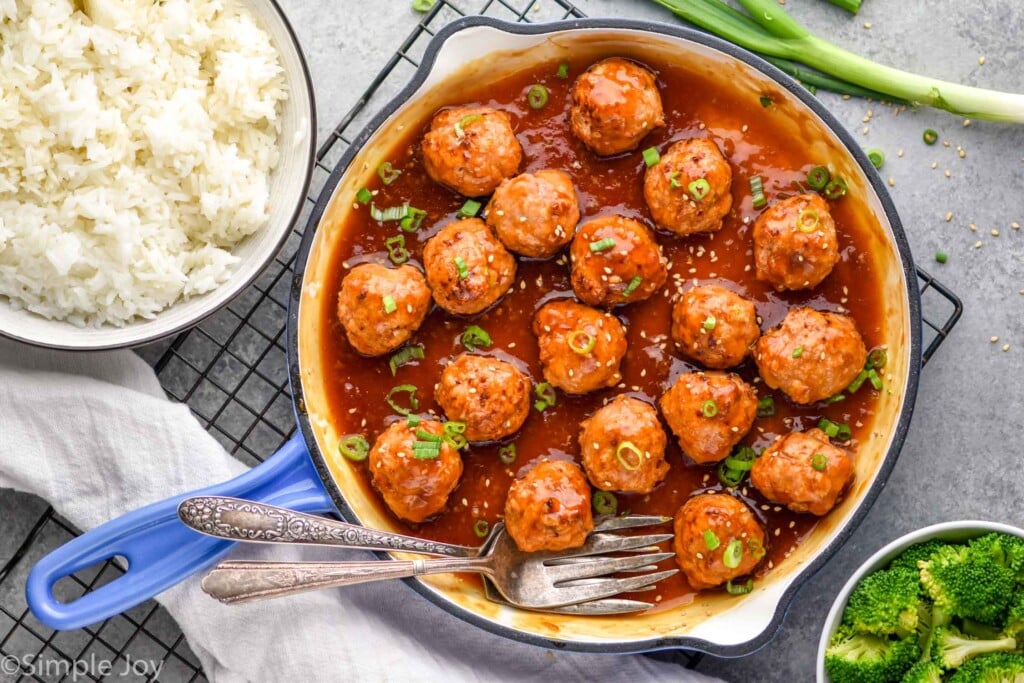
(243, 520)
(238, 581)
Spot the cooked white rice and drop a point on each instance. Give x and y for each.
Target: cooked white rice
(136, 142)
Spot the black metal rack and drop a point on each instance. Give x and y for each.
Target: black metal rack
(231, 371)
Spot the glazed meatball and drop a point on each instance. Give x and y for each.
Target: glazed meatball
(380, 308)
(615, 104)
(709, 412)
(707, 527)
(490, 395)
(535, 214)
(623, 447)
(549, 508)
(690, 189)
(795, 243)
(616, 261)
(413, 489)
(812, 355)
(803, 471)
(471, 149)
(467, 268)
(714, 326)
(580, 348)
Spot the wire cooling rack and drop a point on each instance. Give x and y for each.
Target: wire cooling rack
(231, 372)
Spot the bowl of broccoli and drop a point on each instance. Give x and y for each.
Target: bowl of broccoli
(941, 604)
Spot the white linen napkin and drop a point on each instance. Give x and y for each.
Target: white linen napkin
(94, 435)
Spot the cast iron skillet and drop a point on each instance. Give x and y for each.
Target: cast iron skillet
(160, 551)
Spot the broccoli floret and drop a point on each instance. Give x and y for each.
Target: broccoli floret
(951, 648)
(1005, 550)
(923, 672)
(865, 658)
(916, 553)
(967, 582)
(885, 603)
(1015, 616)
(995, 668)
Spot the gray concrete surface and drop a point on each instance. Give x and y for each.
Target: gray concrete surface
(962, 459)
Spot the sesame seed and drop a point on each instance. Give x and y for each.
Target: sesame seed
(981, 61)
(1006, 347)
(949, 216)
(995, 233)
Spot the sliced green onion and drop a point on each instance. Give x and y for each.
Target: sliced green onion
(710, 322)
(711, 539)
(424, 435)
(836, 188)
(460, 265)
(475, 336)
(673, 180)
(742, 460)
(728, 476)
(389, 304)
(581, 342)
(835, 430)
(469, 209)
(733, 554)
(819, 461)
(563, 70)
(396, 249)
(877, 358)
(798, 352)
(876, 157)
(941, 257)
(426, 450)
(412, 420)
(835, 399)
(537, 96)
(621, 454)
(507, 453)
(405, 355)
(756, 548)
(818, 177)
(454, 434)
(391, 213)
(414, 403)
(876, 381)
(604, 502)
(388, 173)
(859, 380)
(709, 408)
(460, 125)
(364, 196)
(757, 192)
(633, 285)
(545, 396)
(651, 156)
(930, 136)
(481, 527)
(765, 406)
(412, 220)
(766, 101)
(699, 189)
(423, 5)
(808, 221)
(602, 245)
(354, 447)
(741, 589)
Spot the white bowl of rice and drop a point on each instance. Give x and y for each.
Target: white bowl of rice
(154, 156)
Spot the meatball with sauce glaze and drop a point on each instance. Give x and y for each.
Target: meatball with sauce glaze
(615, 104)
(795, 244)
(491, 396)
(413, 489)
(709, 412)
(803, 471)
(812, 355)
(471, 149)
(549, 508)
(467, 267)
(717, 539)
(714, 326)
(690, 189)
(535, 214)
(616, 261)
(380, 308)
(580, 347)
(623, 446)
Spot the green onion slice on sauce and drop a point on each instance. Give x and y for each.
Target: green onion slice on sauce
(414, 403)
(710, 322)
(605, 244)
(798, 352)
(604, 502)
(507, 453)
(403, 356)
(537, 96)
(396, 249)
(709, 408)
(364, 196)
(818, 177)
(389, 304)
(629, 456)
(733, 554)
(481, 527)
(757, 192)
(474, 337)
(765, 406)
(460, 125)
(633, 285)
(388, 173)
(836, 188)
(454, 434)
(581, 342)
(651, 156)
(711, 539)
(461, 267)
(699, 189)
(354, 447)
(545, 396)
(877, 358)
(563, 70)
(808, 220)
(469, 209)
(741, 589)
(819, 461)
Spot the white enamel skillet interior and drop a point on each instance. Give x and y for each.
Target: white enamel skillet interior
(480, 49)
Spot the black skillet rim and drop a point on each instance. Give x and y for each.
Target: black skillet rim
(902, 246)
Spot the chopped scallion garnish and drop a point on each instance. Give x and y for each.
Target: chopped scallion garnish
(602, 245)
(673, 180)
(412, 420)
(537, 96)
(424, 435)
(461, 267)
(710, 322)
(766, 101)
(709, 408)
(604, 502)
(930, 136)
(699, 189)
(733, 554)
(396, 249)
(403, 356)
(835, 430)
(818, 177)
(836, 188)
(354, 447)
(632, 286)
(475, 336)
(798, 352)
(741, 589)
(629, 456)
(941, 256)
(412, 220)
(423, 5)
(757, 192)
(364, 196)
(469, 209)
(389, 304)
(481, 527)
(711, 539)
(545, 396)
(765, 406)
(651, 156)
(563, 70)
(808, 220)
(426, 450)
(877, 358)
(414, 403)
(581, 342)
(876, 157)
(507, 453)
(460, 125)
(388, 173)
(819, 461)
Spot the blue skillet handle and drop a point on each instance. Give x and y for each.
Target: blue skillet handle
(162, 551)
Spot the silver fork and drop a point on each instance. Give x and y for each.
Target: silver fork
(547, 581)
